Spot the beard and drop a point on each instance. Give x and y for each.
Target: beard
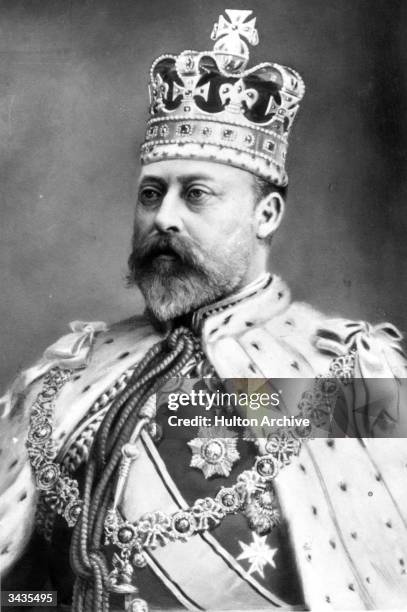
(176, 275)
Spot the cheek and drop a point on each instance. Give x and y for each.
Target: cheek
(217, 230)
(237, 226)
(223, 240)
(143, 222)
(239, 238)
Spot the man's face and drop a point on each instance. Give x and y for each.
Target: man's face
(193, 235)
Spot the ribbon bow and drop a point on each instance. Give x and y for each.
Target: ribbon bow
(377, 389)
(72, 351)
(341, 336)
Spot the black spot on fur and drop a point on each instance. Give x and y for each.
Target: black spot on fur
(328, 335)
(391, 332)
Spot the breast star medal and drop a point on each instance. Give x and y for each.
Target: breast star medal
(214, 451)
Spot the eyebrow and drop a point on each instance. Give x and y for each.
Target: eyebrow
(153, 179)
(183, 179)
(190, 178)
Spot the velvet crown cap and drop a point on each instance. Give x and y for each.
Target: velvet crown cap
(207, 105)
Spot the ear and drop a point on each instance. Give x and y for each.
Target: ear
(268, 214)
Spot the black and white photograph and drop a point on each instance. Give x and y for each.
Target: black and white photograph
(203, 395)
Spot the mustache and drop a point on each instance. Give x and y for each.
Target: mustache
(144, 251)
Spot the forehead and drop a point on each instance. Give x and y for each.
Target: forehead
(179, 170)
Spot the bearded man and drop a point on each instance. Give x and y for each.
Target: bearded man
(134, 516)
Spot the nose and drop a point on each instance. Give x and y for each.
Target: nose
(168, 218)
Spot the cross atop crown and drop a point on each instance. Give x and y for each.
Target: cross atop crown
(230, 37)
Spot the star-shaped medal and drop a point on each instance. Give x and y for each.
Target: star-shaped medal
(212, 452)
(258, 553)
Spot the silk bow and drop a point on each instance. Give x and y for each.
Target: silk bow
(378, 375)
(72, 351)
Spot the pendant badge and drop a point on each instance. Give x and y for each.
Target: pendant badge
(261, 511)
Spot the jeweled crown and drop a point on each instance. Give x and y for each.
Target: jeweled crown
(208, 105)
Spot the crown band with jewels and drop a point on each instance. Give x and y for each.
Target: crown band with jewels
(208, 106)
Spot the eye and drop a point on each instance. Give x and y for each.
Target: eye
(149, 196)
(196, 194)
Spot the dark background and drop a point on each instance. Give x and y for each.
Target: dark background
(73, 104)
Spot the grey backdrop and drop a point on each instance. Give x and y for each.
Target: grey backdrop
(72, 110)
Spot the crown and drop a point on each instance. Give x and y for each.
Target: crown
(208, 105)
